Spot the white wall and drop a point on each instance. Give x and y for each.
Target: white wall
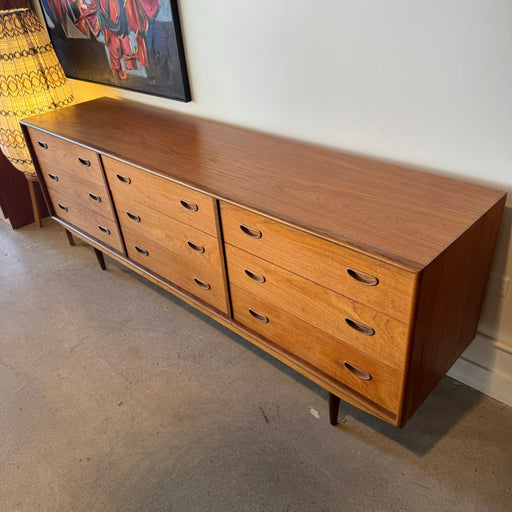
(428, 84)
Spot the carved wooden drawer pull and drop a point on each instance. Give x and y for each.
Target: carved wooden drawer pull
(62, 207)
(258, 316)
(252, 232)
(103, 229)
(254, 276)
(95, 197)
(362, 277)
(357, 372)
(142, 251)
(189, 205)
(84, 161)
(53, 177)
(123, 179)
(195, 247)
(359, 327)
(42, 144)
(201, 284)
(133, 216)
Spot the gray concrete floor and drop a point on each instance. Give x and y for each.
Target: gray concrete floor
(116, 396)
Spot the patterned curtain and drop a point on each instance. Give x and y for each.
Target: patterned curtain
(31, 81)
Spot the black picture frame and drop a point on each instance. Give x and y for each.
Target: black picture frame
(132, 44)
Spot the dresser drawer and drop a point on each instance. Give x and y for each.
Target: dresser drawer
(54, 154)
(91, 222)
(361, 373)
(365, 279)
(91, 194)
(203, 281)
(198, 247)
(129, 183)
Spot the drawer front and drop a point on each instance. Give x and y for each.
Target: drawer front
(198, 247)
(54, 153)
(319, 349)
(89, 193)
(173, 199)
(343, 270)
(370, 331)
(202, 281)
(100, 227)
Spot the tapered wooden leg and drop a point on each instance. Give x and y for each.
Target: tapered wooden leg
(100, 258)
(334, 407)
(71, 240)
(35, 206)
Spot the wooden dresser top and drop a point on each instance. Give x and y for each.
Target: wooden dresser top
(404, 215)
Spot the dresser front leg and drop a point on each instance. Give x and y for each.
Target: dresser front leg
(71, 240)
(100, 258)
(334, 406)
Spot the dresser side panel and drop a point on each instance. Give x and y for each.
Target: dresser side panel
(450, 298)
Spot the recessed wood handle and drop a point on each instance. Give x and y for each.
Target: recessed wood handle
(252, 232)
(95, 197)
(123, 179)
(142, 251)
(189, 205)
(363, 277)
(133, 216)
(258, 316)
(103, 229)
(42, 144)
(201, 283)
(254, 276)
(53, 177)
(357, 372)
(359, 327)
(62, 207)
(195, 247)
(84, 161)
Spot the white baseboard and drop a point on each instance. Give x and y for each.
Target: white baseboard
(486, 365)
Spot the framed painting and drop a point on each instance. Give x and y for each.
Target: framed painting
(133, 44)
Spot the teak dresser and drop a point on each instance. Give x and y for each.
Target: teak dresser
(366, 277)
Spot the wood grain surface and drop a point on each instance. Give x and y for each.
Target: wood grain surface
(449, 303)
(322, 261)
(320, 307)
(406, 215)
(86, 219)
(91, 194)
(186, 272)
(190, 243)
(66, 155)
(319, 349)
(162, 195)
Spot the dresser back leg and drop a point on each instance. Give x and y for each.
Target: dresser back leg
(334, 406)
(71, 240)
(100, 258)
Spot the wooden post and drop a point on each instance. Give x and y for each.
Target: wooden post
(32, 181)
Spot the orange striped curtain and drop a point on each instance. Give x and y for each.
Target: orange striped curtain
(31, 81)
